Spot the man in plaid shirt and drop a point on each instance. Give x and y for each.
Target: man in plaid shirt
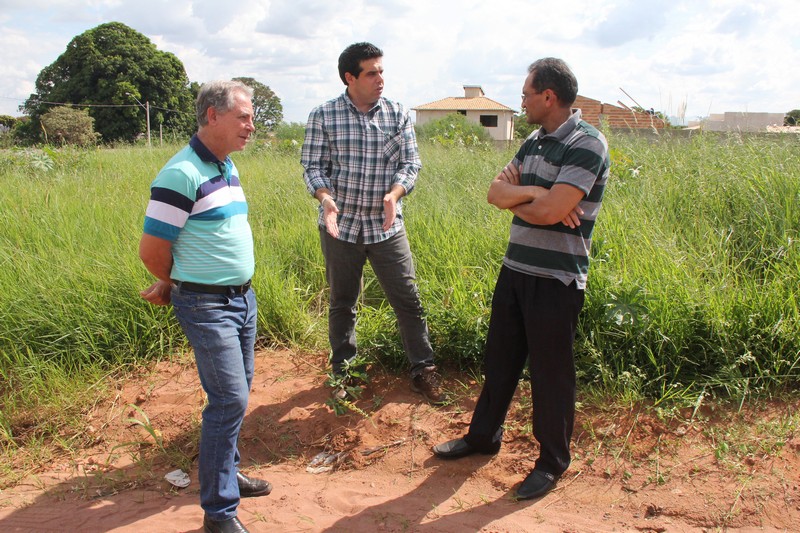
(360, 158)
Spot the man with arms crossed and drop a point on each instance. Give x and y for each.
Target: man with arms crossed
(360, 158)
(554, 186)
(197, 242)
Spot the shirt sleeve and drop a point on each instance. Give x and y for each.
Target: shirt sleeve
(316, 155)
(410, 163)
(583, 164)
(170, 204)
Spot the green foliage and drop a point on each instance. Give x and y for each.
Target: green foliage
(286, 140)
(267, 108)
(110, 65)
(290, 131)
(521, 127)
(792, 118)
(64, 125)
(7, 121)
(454, 130)
(693, 285)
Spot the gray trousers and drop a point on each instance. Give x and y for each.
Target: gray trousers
(393, 265)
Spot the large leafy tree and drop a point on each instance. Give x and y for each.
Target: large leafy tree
(267, 108)
(111, 66)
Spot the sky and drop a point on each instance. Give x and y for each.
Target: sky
(685, 58)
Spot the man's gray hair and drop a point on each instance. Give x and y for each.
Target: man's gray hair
(219, 94)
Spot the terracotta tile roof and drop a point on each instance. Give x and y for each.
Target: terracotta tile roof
(480, 103)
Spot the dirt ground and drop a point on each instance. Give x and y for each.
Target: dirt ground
(709, 469)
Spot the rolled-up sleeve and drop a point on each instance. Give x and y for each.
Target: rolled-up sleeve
(315, 155)
(410, 163)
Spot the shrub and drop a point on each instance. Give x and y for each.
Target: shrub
(454, 130)
(64, 125)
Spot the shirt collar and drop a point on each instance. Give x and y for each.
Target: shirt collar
(564, 129)
(350, 103)
(202, 151)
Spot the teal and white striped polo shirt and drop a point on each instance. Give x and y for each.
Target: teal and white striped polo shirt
(197, 203)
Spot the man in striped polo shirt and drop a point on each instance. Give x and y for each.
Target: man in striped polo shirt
(554, 187)
(198, 243)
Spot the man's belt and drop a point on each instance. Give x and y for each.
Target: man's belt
(214, 289)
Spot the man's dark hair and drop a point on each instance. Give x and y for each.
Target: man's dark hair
(554, 74)
(353, 55)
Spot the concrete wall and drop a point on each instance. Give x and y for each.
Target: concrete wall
(505, 121)
(741, 121)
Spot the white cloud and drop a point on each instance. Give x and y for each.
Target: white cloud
(715, 55)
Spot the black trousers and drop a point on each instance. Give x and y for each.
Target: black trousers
(533, 319)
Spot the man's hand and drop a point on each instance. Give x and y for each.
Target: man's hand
(573, 218)
(509, 174)
(158, 293)
(329, 213)
(389, 211)
(390, 200)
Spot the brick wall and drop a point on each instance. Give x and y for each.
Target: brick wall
(615, 117)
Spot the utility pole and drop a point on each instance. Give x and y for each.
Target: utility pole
(147, 117)
(146, 107)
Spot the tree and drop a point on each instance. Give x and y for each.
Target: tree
(106, 69)
(521, 127)
(64, 125)
(792, 118)
(267, 108)
(7, 122)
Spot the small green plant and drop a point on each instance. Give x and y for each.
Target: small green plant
(351, 382)
(145, 423)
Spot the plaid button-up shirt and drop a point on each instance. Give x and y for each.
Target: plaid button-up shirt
(359, 157)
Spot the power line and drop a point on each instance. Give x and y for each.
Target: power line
(45, 102)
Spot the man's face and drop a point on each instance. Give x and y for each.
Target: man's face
(235, 125)
(532, 102)
(368, 87)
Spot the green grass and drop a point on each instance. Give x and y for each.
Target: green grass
(693, 287)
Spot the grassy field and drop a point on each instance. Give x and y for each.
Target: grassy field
(693, 288)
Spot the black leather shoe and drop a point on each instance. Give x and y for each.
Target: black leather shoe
(225, 526)
(457, 448)
(251, 487)
(536, 485)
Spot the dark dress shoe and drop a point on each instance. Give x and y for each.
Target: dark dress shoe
(536, 485)
(251, 487)
(457, 448)
(225, 526)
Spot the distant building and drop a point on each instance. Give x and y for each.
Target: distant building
(739, 121)
(499, 119)
(617, 117)
(495, 117)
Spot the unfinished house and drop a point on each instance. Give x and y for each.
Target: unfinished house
(495, 117)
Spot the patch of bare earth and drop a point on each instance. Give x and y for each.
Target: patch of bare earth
(632, 470)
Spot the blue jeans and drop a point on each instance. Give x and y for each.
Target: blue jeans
(393, 265)
(222, 330)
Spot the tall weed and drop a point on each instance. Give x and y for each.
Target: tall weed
(693, 283)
